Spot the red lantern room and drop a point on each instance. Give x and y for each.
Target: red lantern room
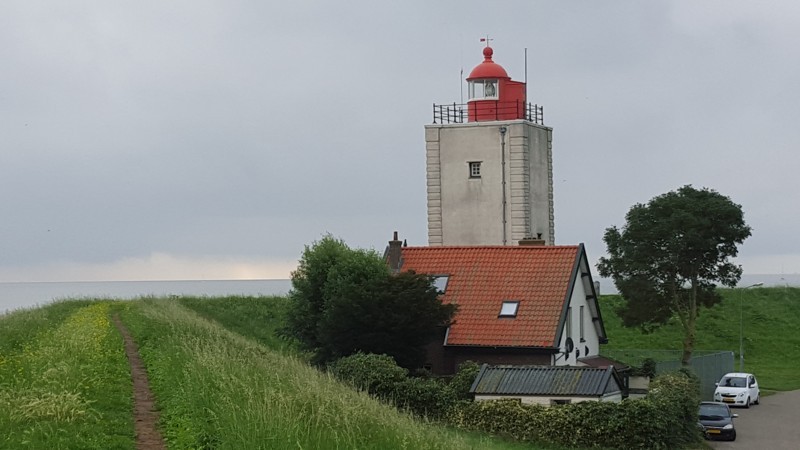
(492, 94)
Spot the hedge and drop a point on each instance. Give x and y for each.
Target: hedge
(665, 419)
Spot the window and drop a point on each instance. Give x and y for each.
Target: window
(475, 169)
(580, 325)
(482, 89)
(440, 283)
(509, 308)
(490, 88)
(569, 322)
(560, 401)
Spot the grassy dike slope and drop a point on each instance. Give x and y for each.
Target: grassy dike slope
(771, 339)
(64, 379)
(218, 389)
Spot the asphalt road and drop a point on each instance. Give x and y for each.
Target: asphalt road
(772, 425)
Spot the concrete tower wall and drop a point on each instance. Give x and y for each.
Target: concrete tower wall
(513, 197)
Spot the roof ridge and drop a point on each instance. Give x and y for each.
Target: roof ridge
(493, 247)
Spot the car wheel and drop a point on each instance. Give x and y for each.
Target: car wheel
(747, 403)
(758, 400)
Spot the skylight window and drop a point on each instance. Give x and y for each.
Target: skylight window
(509, 308)
(440, 283)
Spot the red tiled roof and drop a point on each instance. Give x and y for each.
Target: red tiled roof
(481, 278)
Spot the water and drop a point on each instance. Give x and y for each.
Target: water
(27, 295)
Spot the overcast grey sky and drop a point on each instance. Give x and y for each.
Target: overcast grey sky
(214, 139)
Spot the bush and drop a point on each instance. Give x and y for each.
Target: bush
(377, 374)
(461, 383)
(678, 393)
(424, 397)
(381, 377)
(648, 369)
(671, 413)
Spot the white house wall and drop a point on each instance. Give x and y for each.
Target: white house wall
(590, 335)
(547, 401)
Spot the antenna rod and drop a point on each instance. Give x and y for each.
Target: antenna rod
(461, 84)
(526, 74)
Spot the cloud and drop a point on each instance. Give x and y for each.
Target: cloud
(788, 263)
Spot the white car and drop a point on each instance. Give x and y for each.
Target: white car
(738, 389)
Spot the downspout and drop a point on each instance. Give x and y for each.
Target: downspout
(503, 166)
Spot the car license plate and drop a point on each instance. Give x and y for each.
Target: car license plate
(729, 400)
(712, 431)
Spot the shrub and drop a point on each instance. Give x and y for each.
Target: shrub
(461, 383)
(381, 377)
(377, 374)
(678, 393)
(425, 397)
(648, 369)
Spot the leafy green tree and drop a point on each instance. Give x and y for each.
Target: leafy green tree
(346, 300)
(325, 268)
(396, 315)
(669, 255)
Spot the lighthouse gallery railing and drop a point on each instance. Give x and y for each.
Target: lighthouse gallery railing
(458, 112)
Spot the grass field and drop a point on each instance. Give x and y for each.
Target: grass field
(64, 379)
(771, 317)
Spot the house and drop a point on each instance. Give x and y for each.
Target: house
(547, 385)
(524, 305)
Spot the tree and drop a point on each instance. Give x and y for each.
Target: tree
(396, 315)
(346, 301)
(325, 267)
(669, 255)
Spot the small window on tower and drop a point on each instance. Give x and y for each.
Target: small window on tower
(475, 169)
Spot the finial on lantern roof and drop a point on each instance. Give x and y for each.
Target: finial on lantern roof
(487, 51)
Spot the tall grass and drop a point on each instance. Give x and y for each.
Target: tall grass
(64, 379)
(217, 389)
(258, 318)
(771, 317)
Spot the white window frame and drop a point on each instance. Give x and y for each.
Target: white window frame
(477, 89)
(509, 308)
(440, 282)
(580, 325)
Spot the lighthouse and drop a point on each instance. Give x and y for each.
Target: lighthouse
(490, 165)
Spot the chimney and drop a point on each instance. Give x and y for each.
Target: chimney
(531, 242)
(393, 254)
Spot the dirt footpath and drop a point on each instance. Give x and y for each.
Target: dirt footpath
(773, 425)
(145, 415)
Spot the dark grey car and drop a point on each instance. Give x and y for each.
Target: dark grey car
(716, 421)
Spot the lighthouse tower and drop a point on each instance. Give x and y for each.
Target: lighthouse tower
(490, 165)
